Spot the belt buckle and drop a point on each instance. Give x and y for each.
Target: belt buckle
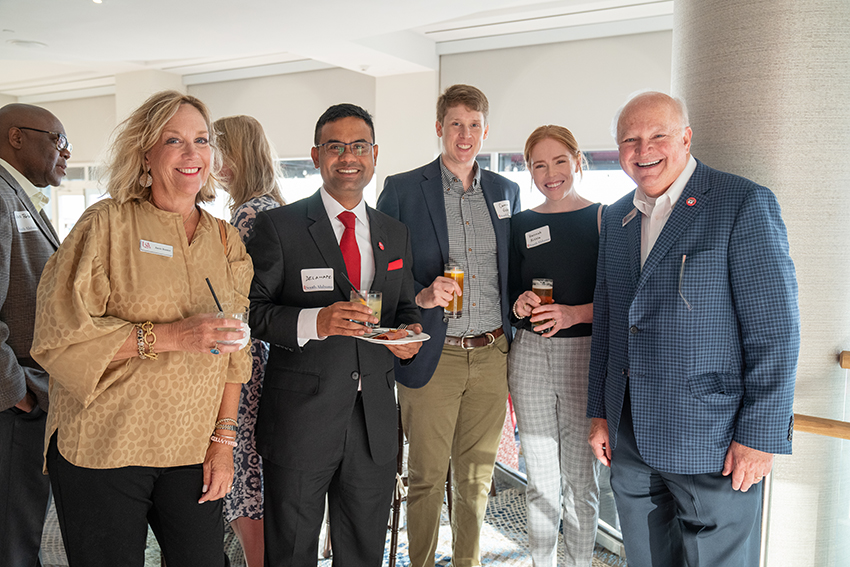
(463, 343)
(490, 338)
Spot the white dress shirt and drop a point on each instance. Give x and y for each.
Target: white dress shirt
(307, 330)
(656, 211)
(37, 197)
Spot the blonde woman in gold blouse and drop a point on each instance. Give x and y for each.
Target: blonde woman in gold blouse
(144, 389)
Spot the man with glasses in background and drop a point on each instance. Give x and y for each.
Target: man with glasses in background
(453, 395)
(327, 422)
(33, 154)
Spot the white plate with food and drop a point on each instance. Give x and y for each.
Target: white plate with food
(380, 335)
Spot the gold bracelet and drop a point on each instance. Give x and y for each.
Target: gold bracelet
(146, 339)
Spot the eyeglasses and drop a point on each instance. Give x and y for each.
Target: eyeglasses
(62, 142)
(336, 149)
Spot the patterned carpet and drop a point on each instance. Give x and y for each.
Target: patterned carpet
(504, 541)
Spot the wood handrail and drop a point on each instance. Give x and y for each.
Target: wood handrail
(822, 426)
(844, 359)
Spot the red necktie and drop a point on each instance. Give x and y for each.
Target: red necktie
(349, 248)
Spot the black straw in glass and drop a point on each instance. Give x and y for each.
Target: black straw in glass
(212, 291)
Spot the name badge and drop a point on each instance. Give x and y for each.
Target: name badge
(503, 209)
(156, 248)
(317, 279)
(629, 216)
(25, 221)
(537, 237)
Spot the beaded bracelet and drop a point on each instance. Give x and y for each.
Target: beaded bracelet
(223, 441)
(146, 338)
(514, 311)
(140, 341)
(226, 420)
(226, 427)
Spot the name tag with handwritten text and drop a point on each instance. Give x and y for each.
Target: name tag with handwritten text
(537, 237)
(156, 248)
(317, 279)
(25, 221)
(503, 209)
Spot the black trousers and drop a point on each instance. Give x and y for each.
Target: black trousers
(24, 490)
(104, 514)
(359, 495)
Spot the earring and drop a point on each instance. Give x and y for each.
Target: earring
(145, 180)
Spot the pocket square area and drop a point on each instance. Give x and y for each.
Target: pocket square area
(395, 265)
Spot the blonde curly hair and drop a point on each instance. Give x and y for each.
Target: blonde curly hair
(138, 135)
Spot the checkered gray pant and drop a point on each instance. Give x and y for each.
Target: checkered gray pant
(548, 384)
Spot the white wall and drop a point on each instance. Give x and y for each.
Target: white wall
(288, 105)
(88, 123)
(577, 84)
(405, 118)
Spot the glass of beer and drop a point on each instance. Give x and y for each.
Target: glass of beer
(371, 299)
(454, 310)
(542, 288)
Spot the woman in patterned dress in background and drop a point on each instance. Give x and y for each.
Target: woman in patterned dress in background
(248, 175)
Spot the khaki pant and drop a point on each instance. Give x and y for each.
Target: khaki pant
(459, 414)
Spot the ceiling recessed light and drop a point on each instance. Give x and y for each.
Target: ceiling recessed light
(97, 1)
(26, 43)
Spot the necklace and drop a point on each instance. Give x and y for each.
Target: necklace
(192, 214)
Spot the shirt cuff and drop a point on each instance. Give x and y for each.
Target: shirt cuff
(307, 330)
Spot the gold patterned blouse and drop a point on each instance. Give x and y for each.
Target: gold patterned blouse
(121, 265)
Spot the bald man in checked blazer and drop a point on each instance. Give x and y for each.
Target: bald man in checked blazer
(30, 159)
(696, 334)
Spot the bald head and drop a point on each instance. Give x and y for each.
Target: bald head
(28, 138)
(654, 140)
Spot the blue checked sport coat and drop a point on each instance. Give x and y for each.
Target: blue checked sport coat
(707, 335)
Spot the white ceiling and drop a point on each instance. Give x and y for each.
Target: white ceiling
(59, 49)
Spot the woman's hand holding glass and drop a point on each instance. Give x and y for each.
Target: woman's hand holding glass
(555, 315)
(207, 331)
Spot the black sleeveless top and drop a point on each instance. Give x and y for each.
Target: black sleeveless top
(567, 255)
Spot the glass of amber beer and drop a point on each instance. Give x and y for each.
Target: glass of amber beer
(454, 310)
(542, 288)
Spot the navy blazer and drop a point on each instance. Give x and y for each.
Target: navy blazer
(706, 335)
(416, 199)
(309, 392)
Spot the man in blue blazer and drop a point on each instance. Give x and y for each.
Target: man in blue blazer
(453, 394)
(696, 334)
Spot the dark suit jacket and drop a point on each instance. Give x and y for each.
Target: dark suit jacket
(309, 392)
(416, 199)
(706, 335)
(22, 259)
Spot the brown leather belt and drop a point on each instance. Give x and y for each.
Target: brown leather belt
(470, 342)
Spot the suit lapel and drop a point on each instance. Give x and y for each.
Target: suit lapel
(378, 234)
(692, 200)
(323, 235)
(633, 237)
(432, 192)
(40, 220)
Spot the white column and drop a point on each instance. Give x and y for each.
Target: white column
(768, 87)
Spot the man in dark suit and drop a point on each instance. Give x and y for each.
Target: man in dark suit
(696, 334)
(33, 154)
(453, 395)
(327, 421)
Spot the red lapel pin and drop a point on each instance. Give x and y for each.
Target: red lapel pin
(380, 245)
(691, 202)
